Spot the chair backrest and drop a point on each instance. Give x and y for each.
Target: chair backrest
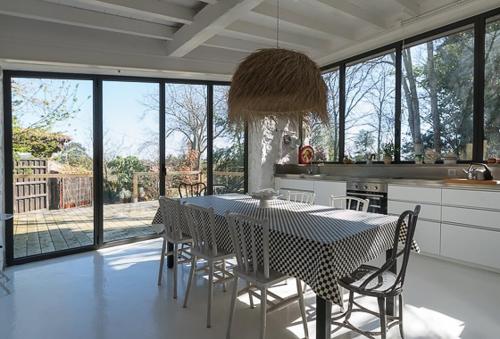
(350, 203)
(300, 196)
(251, 242)
(405, 230)
(187, 190)
(201, 222)
(170, 210)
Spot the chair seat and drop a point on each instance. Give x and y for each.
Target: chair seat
(259, 279)
(208, 255)
(377, 287)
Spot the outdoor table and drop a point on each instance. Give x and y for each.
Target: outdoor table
(317, 244)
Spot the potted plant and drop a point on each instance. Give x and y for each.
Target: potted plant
(388, 149)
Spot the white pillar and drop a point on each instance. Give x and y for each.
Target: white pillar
(266, 148)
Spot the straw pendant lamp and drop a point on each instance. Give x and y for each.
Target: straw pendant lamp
(277, 82)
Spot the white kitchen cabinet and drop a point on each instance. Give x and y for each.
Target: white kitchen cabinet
(472, 198)
(428, 236)
(472, 245)
(284, 184)
(325, 189)
(474, 217)
(428, 212)
(429, 195)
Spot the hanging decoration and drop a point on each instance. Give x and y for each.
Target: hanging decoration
(277, 82)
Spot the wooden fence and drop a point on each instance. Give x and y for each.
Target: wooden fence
(35, 188)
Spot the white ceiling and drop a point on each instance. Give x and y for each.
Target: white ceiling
(205, 39)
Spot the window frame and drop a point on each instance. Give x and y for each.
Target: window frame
(97, 102)
(478, 23)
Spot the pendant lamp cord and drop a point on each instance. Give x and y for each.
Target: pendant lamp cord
(277, 23)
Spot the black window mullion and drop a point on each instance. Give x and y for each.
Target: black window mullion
(210, 135)
(397, 108)
(163, 168)
(342, 108)
(8, 167)
(479, 78)
(98, 163)
(245, 157)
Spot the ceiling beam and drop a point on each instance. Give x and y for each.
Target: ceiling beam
(412, 6)
(354, 11)
(301, 22)
(249, 31)
(145, 8)
(39, 10)
(207, 23)
(36, 41)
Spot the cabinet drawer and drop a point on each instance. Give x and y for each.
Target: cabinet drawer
(324, 189)
(472, 245)
(432, 212)
(466, 198)
(473, 217)
(296, 184)
(416, 194)
(428, 236)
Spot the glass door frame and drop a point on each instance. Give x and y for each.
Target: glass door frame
(97, 97)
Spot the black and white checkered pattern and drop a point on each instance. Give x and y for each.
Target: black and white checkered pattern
(317, 244)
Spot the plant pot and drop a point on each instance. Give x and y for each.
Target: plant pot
(387, 159)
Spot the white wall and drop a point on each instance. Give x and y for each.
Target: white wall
(266, 148)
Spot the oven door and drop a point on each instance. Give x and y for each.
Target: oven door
(378, 201)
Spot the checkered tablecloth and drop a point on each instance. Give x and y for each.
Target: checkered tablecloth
(317, 244)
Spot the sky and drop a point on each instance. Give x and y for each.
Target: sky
(129, 126)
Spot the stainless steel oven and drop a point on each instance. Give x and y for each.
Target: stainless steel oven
(375, 192)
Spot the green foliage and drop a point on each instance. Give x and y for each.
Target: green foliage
(37, 141)
(388, 149)
(75, 155)
(123, 169)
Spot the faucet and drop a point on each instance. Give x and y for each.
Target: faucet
(310, 169)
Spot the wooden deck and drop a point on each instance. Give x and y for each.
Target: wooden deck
(45, 231)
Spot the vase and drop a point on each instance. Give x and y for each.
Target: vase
(387, 159)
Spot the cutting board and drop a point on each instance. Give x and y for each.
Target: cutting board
(472, 182)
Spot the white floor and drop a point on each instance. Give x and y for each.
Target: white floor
(112, 293)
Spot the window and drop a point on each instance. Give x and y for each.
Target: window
(325, 139)
(369, 115)
(185, 135)
(52, 181)
(492, 91)
(437, 97)
(229, 148)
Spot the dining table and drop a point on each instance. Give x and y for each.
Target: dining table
(317, 244)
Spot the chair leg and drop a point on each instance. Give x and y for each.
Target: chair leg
(224, 275)
(263, 313)
(341, 290)
(210, 293)
(190, 281)
(302, 308)
(383, 318)
(349, 306)
(401, 306)
(234, 295)
(162, 260)
(176, 261)
(250, 296)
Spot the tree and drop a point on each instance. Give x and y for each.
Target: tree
(364, 144)
(37, 141)
(75, 155)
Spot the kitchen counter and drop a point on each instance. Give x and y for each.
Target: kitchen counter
(394, 181)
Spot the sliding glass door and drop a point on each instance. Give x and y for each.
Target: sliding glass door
(52, 156)
(85, 163)
(130, 158)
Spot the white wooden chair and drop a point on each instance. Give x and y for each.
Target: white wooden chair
(299, 196)
(251, 243)
(201, 223)
(171, 232)
(350, 203)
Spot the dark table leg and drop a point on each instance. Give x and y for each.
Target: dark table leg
(323, 318)
(389, 304)
(170, 258)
